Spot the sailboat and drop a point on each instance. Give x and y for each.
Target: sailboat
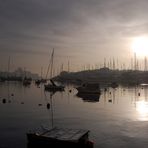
(52, 86)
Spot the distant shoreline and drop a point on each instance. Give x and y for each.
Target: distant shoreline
(104, 76)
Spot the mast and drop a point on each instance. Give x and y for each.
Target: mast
(51, 72)
(104, 62)
(50, 66)
(8, 67)
(25, 73)
(145, 64)
(113, 64)
(61, 67)
(135, 61)
(68, 66)
(51, 110)
(41, 72)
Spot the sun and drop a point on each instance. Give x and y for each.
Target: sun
(140, 46)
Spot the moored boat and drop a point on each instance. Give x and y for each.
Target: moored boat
(89, 88)
(60, 137)
(53, 87)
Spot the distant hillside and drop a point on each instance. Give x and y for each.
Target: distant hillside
(104, 76)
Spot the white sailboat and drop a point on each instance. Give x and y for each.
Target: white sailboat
(52, 86)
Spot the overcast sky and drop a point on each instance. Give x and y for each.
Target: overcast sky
(81, 31)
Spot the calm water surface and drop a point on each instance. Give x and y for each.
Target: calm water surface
(119, 118)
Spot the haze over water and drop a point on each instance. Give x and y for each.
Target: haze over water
(117, 119)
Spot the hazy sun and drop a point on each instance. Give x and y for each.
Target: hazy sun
(140, 46)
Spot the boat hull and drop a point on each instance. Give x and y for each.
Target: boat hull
(53, 88)
(89, 88)
(41, 141)
(58, 137)
(87, 91)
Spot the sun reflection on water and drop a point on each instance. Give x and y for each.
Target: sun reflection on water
(142, 110)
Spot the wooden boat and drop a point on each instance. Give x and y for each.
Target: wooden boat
(53, 87)
(89, 88)
(60, 137)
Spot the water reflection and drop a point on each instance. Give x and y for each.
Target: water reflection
(49, 106)
(110, 95)
(142, 109)
(115, 113)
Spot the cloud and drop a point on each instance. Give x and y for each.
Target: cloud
(73, 27)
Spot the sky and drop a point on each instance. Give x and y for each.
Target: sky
(83, 32)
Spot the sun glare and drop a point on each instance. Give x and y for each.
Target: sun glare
(142, 108)
(140, 46)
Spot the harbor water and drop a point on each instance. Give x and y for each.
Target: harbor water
(116, 118)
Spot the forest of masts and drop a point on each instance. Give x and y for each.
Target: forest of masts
(113, 64)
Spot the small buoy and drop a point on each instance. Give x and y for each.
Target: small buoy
(109, 100)
(12, 94)
(110, 92)
(4, 101)
(70, 90)
(48, 106)
(39, 104)
(138, 94)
